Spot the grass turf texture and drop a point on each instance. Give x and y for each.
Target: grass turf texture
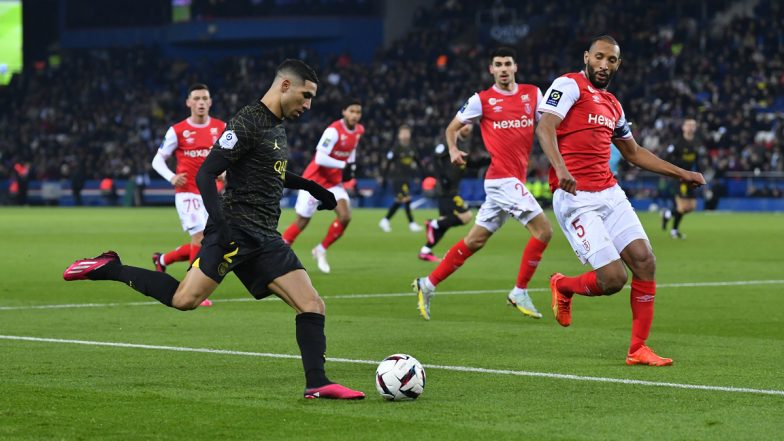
(718, 335)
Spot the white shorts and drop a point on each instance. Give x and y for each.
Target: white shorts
(193, 215)
(504, 198)
(306, 204)
(598, 224)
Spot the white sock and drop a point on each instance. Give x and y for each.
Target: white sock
(517, 290)
(429, 285)
(425, 250)
(161, 260)
(320, 248)
(434, 223)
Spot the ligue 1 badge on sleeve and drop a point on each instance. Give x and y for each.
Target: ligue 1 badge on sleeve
(554, 97)
(228, 139)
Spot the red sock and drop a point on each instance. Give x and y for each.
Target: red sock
(453, 260)
(643, 294)
(291, 233)
(584, 284)
(335, 231)
(531, 257)
(181, 254)
(194, 252)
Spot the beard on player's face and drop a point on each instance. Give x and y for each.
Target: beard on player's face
(600, 81)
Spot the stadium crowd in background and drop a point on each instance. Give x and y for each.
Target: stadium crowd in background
(103, 113)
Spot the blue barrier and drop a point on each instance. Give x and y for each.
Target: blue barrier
(369, 195)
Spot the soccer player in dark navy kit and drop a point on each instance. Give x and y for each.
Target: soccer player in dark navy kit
(241, 233)
(684, 154)
(452, 209)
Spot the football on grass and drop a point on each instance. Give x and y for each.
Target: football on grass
(400, 377)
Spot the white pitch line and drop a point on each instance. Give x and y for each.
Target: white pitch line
(468, 369)
(381, 295)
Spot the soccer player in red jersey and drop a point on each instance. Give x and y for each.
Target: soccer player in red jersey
(333, 164)
(579, 120)
(506, 114)
(190, 140)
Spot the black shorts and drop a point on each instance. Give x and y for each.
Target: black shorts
(401, 188)
(451, 205)
(256, 265)
(687, 192)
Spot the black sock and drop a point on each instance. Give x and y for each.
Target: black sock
(407, 206)
(677, 216)
(312, 346)
(449, 221)
(392, 210)
(160, 286)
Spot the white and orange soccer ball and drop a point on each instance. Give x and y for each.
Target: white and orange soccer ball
(400, 377)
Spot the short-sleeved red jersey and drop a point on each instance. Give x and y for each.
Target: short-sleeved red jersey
(191, 143)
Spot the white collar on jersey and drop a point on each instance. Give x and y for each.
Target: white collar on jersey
(343, 123)
(199, 126)
(505, 92)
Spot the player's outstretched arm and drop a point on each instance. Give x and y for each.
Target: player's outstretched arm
(545, 132)
(456, 155)
(297, 182)
(643, 158)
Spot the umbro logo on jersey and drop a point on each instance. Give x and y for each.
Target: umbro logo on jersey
(554, 97)
(596, 98)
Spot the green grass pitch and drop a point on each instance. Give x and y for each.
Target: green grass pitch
(221, 372)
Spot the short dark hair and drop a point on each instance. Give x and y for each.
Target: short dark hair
(298, 68)
(503, 51)
(198, 86)
(605, 38)
(350, 102)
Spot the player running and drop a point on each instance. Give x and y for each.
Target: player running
(506, 113)
(241, 234)
(402, 161)
(334, 163)
(579, 120)
(190, 140)
(683, 153)
(452, 209)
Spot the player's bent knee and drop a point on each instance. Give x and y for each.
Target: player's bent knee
(314, 304)
(185, 304)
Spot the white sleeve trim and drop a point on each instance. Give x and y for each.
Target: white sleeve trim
(537, 114)
(328, 140)
(325, 160)
(169, 144)
(471, 110)
(159, 164)
(560, 97)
